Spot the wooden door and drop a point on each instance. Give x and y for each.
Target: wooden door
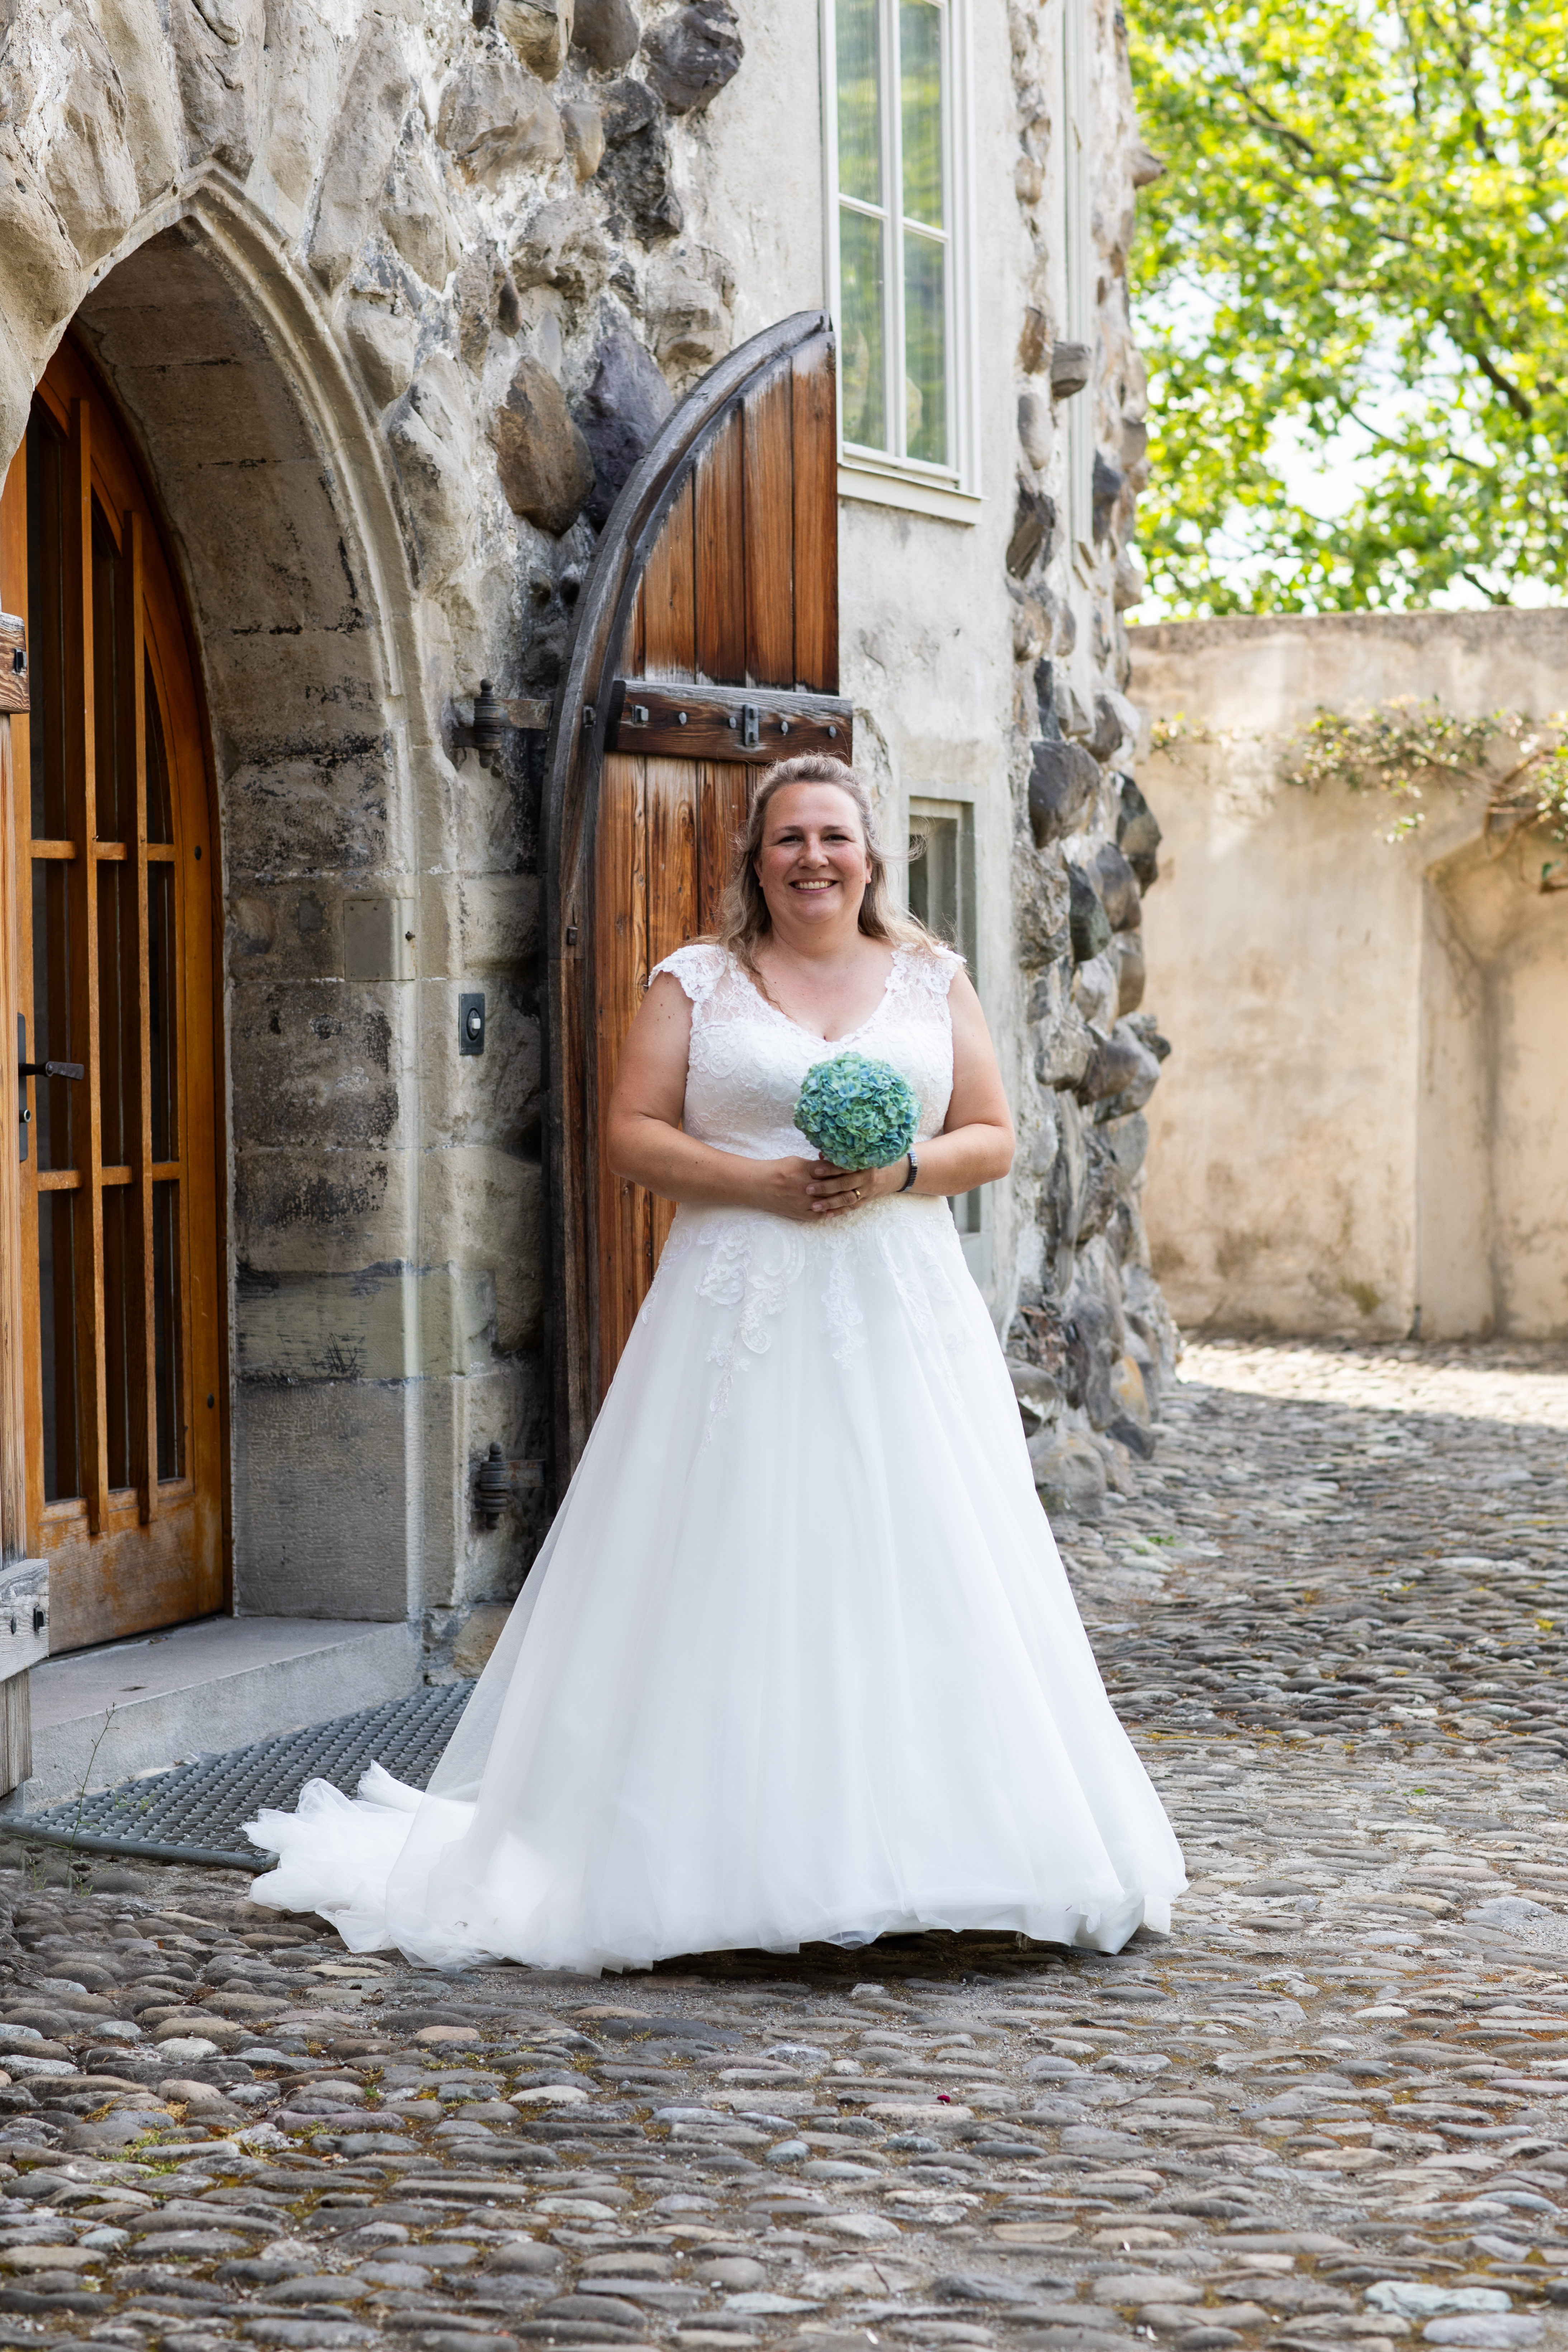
(707, 648)
(109, 916)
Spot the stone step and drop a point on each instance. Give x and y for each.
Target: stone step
(103, 1715)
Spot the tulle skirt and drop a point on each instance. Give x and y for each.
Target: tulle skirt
(798, 1659)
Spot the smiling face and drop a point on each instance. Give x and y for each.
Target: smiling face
(813, 865)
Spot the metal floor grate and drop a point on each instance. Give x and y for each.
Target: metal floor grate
(197, 1812)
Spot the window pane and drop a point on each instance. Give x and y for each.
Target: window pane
(863, 372)
(860, 101)
(122, 1327)
(161, 1008)
(160, 817)
(919, 874)
(114, 773)
(166, 1369)
(925, 349)
(54, 1100)
(56, 1343)
(919, 92)
(119, 1045)
(47, 627)
(933, 877)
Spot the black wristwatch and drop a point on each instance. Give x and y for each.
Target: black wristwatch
(914, 1171)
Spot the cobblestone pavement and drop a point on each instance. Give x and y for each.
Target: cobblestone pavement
(1330, 2109)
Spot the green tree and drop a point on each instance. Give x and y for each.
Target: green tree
(1359, 246)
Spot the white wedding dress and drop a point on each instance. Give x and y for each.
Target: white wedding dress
(798, 1659)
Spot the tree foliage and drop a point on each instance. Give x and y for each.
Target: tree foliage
(1361, 243)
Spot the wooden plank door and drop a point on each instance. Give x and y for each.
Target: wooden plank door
(109, 916)
(707, 649)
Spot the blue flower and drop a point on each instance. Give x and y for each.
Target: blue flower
(858, 1113)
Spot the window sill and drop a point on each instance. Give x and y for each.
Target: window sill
(879, 485)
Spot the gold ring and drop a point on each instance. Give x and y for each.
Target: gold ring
(856, 1192)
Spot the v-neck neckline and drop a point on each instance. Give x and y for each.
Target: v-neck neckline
(799, 1026)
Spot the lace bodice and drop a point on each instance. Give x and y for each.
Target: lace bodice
(747, 1065)
(748, 1061)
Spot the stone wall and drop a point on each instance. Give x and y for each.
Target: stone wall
(392, 299)
(1090, 1340)
(1366, 1127)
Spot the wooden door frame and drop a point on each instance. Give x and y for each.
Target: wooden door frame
(580, 735)
(117, 477)
(13, 698)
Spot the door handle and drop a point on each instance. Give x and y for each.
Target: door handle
(26, 1070)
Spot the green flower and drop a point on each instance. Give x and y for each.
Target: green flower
(858, 1113)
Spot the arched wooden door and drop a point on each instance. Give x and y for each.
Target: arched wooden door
(111, 977)
(707, 647)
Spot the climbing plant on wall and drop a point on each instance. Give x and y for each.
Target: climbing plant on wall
(1356, 264)
(1406, 748)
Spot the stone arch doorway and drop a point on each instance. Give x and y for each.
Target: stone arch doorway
(296, 557)
(276, 502)
(112, 970)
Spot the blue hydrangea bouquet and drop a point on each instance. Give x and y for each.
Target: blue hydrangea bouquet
(858, 1113)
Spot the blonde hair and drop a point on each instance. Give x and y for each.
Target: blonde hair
(743, 917)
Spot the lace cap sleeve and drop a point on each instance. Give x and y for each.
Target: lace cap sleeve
(929, 969)
(698, 969)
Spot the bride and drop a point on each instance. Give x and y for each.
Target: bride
(798, 1659)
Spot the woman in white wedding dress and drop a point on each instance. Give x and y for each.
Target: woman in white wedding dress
(798, 1659)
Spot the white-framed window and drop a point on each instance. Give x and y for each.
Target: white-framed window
(941, 893)
(896, 74)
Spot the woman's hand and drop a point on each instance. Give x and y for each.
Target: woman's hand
(832, 1190)
(804, 1189)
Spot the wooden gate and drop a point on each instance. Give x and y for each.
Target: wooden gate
(111, 1320)
(706, 648)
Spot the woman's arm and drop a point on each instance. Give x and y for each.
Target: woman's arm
(646, 1145)
(975, 1145)
(643, 1131)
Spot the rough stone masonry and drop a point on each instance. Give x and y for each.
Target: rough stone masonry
(1331, 2109)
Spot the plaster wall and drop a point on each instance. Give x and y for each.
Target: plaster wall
(1365, 1128)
